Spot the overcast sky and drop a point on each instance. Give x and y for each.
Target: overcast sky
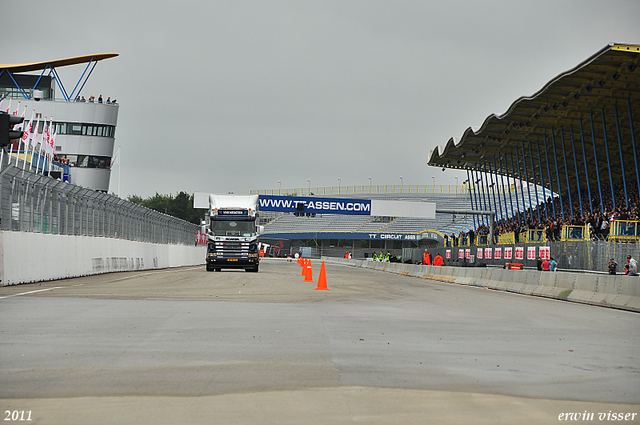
(229, 96)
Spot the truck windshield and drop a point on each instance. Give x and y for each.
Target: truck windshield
(233, 228)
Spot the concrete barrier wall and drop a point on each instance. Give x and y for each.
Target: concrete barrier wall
(34, 257)
(617, 291)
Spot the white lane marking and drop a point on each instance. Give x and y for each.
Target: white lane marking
(91, 283)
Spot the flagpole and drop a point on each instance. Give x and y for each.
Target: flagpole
(44, 130)
(27, 140)
(20, 139)
(33, 142)
(11, 148)
(50, 146)
(119, 167)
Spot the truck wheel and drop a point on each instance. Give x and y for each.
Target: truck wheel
(218, 269)
(209, 268)
(253, 269)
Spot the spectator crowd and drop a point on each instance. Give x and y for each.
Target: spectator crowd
(599, 221)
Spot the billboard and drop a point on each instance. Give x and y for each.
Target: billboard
(347, 206)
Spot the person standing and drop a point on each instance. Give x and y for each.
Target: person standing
(438, 260)
(612, 266)
(554, 265)
(632, 266)
(426, 258)
(546, 265)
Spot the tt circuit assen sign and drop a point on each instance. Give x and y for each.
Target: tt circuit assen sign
(315, 205)
(346, 206)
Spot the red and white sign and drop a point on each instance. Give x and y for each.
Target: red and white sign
(467, 253)
(498, 254)
(545, 252)
(519, 253)
(531, 253)
(448, 253)
(508, 251)
(488, 253)
(201, 238)
(479, 254)
(461, 253)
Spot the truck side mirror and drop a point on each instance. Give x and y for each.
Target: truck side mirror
(260, 230)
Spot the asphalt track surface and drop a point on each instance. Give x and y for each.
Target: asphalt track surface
(184, 346)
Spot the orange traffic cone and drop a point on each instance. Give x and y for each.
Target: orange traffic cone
(309, 273)
(322, 280)
(303, 264)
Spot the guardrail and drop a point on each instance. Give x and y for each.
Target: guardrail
(535, 236)
(40, 204)
(625, 231)
(575, 233)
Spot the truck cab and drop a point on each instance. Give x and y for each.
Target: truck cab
(232, 233)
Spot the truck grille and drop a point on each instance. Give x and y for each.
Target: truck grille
(232, 249)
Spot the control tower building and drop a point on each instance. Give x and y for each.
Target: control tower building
(85, 125)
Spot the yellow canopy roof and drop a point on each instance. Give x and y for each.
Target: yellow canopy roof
(38, 66)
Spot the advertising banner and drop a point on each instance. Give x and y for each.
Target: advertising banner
(315, 205)
(508, 251)
(519, 253)
(545, 252)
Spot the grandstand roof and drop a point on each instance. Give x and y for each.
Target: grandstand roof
(39, 66)
(602, 90)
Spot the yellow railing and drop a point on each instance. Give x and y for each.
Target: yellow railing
(507, 238)
(482, 240)
(574, 233)
(536, 236)
(625, 231)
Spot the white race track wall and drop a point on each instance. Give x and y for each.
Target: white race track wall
(34, 257)
(604, 290)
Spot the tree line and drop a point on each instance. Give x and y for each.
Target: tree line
(179, 206)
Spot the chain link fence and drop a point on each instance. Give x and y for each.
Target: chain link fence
(38, 203)
(572, 255)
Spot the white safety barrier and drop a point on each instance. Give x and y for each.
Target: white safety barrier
(617, 291)
(34, 257)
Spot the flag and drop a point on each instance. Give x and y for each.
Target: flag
(50, 140)
(45, 138)
(116, 158)
(21, 125)
(53, 139)
(33, 141)
(27, 133)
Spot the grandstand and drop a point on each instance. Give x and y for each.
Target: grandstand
(330, 223)
(576, 137)
(443, 223)
(566, 157)
(360, 234)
